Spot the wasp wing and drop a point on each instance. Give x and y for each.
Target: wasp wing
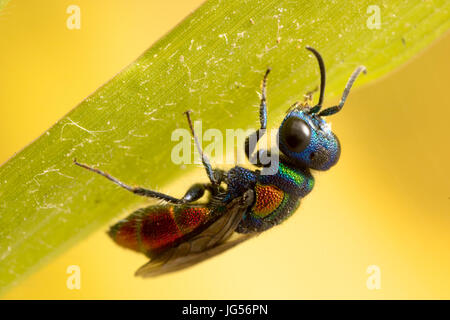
(204, 245)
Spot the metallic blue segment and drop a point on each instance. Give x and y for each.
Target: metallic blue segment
(239, 181)
(323, 150)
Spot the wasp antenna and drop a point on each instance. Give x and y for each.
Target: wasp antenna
(351, 80)
(322, 77)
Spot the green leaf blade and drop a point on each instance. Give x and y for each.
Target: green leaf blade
(211, 63)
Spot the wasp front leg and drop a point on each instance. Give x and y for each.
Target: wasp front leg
(253, 138)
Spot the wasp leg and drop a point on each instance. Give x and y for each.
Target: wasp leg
(205, 160)
(255, 136)
(197, 190)
(194, 193)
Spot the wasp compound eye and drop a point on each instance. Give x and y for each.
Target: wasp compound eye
(296, 134)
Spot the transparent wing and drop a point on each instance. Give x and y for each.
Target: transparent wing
(206, 244)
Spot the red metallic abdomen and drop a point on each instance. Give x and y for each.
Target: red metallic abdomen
(154, 228)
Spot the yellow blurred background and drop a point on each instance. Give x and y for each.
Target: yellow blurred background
(387, 202)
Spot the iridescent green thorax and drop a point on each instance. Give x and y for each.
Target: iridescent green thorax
(295, 181)
(291, 174)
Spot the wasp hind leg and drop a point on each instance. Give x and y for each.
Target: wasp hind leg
(194, 193)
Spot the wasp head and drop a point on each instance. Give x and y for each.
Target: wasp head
(308, 140)
(304, 136)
